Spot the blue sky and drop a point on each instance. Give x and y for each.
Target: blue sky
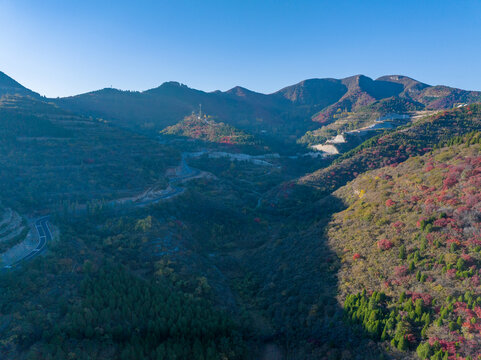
(60, 48)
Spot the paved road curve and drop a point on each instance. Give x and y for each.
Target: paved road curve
(186, 172)
(44, 236)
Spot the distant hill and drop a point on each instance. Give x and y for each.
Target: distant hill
(361, 91)
(8, 86)
(397, 146)
(155, 109)
(49, 155)
(285, 115)
(207, 129)
(406, 93)
(314, 92)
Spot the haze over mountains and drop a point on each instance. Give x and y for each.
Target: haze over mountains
(287, 113)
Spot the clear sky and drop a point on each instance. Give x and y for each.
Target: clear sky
(66, 47)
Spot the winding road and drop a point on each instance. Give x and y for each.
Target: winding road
(44, 236)
(186, 172)
(43, 230)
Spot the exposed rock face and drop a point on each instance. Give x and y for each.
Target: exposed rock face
(327, 148)
(338, 139)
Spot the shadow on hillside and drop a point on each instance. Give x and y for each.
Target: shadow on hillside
(298, 288)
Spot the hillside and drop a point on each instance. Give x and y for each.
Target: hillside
(345, 121)
(360, 91)
(71, 167)
(207, 129)
(394, 93)
(8, 86)
(52, 158)
(396, 146)
(286, 114)
(155, 109)
(386, 149)
(234, 248)
(409, 250)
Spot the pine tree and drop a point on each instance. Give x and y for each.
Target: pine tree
(411, 266)
(424, 331)
(418, 307)
(424, 350)
(402, 344)
(384, 333)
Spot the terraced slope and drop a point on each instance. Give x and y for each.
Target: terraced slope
(13, 229)
(50, 157)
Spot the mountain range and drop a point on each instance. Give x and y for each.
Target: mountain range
(287, 113)
(224, 236)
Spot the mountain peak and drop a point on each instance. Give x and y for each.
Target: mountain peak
(171, 87)
(242, 92)
(314, 91)
(407, 82)
(8, 86)
(238, 90)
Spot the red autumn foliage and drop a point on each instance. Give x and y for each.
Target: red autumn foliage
(450, 181)
(398, 225)
(401, 270)
(384, 244)
(451, 273)
(449, 346)
(410, 337)
(418, 224)
(442, 222)
(415, 198)
(427, 299)
(390, 202)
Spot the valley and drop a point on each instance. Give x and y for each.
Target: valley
(178, 235)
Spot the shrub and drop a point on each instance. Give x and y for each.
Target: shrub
(384, 244)
(390, 202)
